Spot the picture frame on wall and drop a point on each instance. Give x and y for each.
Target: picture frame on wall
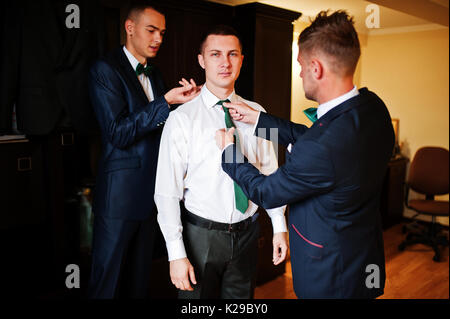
(396, 126)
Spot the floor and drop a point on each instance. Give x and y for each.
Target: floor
(411, 274)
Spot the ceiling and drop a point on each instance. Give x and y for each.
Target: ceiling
(393, 13)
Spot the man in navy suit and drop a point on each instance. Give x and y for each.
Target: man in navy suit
(131, 106)
(333, 175)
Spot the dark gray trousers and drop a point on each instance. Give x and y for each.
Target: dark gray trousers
(224, 262)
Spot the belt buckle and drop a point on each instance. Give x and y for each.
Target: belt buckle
(230, 227)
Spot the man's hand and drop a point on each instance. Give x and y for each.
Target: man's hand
(223, 138)
(181, 271)
(186, 92)
(240, 111)
(280, 246)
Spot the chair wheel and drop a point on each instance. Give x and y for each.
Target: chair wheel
(401, 247)
(436, 258)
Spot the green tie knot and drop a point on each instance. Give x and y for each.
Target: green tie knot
(311, 113)
(228, 121)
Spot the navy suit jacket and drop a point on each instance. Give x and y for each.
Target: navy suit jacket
(332, 180)
(131, 128)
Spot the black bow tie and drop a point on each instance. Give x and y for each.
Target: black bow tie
(147, 70)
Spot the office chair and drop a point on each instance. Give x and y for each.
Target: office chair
(428, 175)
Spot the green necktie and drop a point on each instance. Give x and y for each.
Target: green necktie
(147, 70)
(311, 113)
(241, 199)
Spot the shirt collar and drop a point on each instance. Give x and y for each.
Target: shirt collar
(133, 61)
(210, 100)
(327, 106)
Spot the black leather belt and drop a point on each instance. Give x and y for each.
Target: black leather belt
(209, 224)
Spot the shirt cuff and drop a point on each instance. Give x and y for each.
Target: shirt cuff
(256, 123)
(278, 224)
(176, 250)
(226, 147)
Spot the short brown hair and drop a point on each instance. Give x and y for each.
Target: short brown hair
(136, 7)
(335, 36)
(220, 29)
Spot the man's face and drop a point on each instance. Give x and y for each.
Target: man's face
(309, 83)
(147, 32)
(222, 60)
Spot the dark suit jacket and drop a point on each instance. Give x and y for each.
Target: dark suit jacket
(131, 129)
(332, 180)
(44, 65)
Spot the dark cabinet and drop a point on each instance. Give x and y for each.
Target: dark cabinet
(393, 192)
(267, 35)
(25, 243)
(39, 212)
(22, 189)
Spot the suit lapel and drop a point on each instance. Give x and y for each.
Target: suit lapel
(130, 75)
(342, 108)
(156, 88)
(152, 82)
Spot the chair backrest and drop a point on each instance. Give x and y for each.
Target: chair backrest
(428, 172)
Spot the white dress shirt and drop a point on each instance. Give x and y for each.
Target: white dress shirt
(190, 169)
(323, 108)
(143, 79)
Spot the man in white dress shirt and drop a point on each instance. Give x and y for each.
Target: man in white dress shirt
(212, 239)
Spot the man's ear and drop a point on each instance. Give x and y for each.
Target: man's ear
(317, 69)
(129, 27)
(201, 61)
